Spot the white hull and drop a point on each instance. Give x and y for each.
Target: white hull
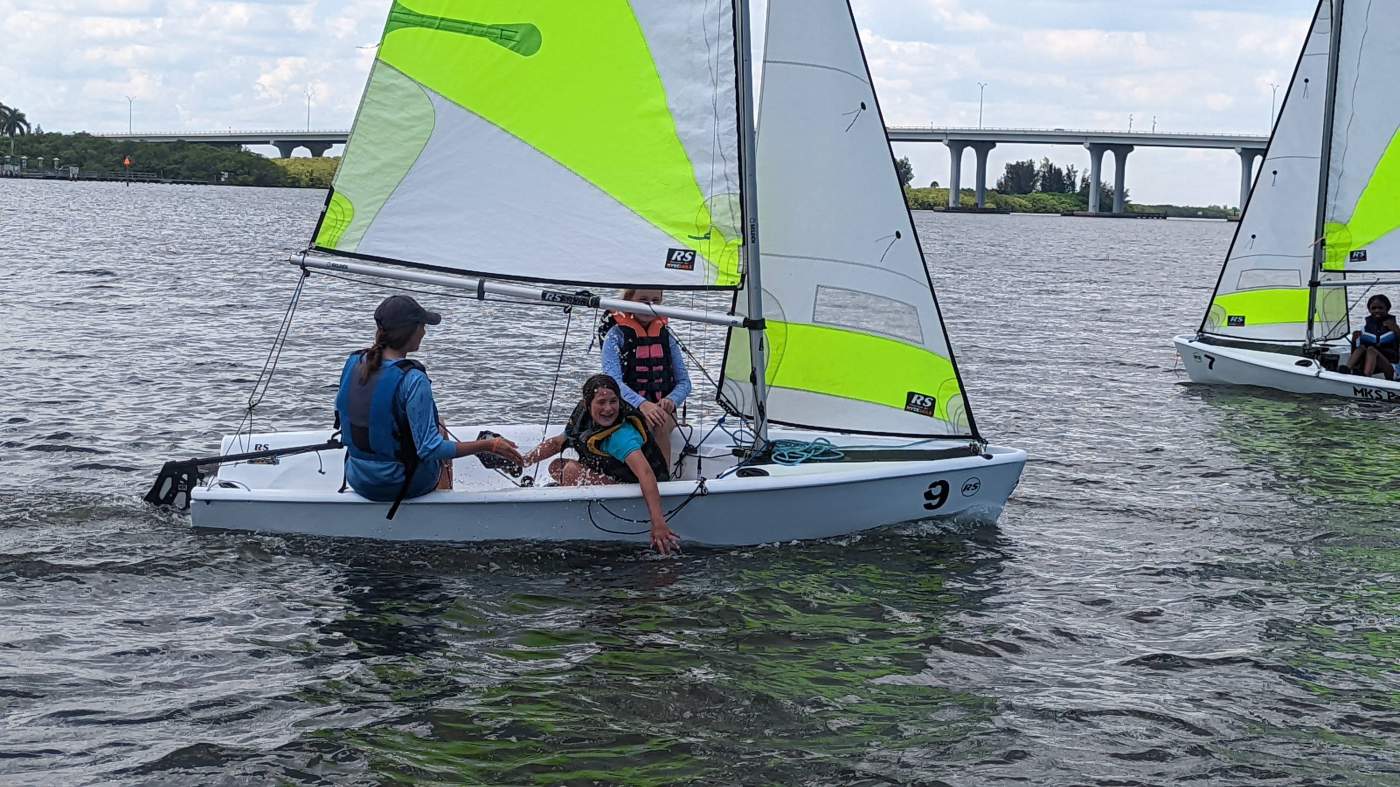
(1214, 364)
(814, 500)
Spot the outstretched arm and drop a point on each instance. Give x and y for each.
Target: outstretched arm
(663, 540)
(543, 451)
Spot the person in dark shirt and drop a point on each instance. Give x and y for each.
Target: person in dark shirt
(1376, 348)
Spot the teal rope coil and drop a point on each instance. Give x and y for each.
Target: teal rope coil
(796, 452)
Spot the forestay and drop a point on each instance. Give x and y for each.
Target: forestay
(1262, 294)
(856, 341)
(1363, 190)
(593, 143)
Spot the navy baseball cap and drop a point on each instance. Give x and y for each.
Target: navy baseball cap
(400, 311)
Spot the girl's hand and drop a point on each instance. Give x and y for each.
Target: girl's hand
(503, 447)
(664, 540)
(654, 415)
(668, 405)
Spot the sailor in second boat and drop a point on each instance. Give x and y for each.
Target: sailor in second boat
(396, 443)
(614, 447)
(1377, 346)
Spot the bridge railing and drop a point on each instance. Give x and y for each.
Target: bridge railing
(1106, 132)
(253, 133)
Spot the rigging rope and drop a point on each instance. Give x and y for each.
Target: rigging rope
(700, 491)
(269, 368)
(558, 369)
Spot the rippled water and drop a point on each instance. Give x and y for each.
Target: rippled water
(1190, 586)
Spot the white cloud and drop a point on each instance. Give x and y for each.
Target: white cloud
(1202, 65)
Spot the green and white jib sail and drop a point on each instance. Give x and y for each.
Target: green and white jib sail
(1263, 294)
(1363, 189)
(855, 339)
(589, 142)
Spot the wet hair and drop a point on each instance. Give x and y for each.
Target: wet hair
(1378, 297)
(631, 293)
(592, 385)
(391, 338)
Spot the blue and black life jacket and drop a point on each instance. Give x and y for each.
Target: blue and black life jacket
(1382, 338)
(373, 422)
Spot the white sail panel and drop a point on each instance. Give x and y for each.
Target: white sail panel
(585, 143)
(1263, 290)
(1363, 189)
(855, 339)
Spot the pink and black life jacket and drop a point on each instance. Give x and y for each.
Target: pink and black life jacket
(647, 367)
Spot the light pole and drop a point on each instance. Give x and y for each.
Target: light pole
(129, 102)
(1272, 104)
(1154, 124)
(309, 94)
(981, 92)
(1130, 122)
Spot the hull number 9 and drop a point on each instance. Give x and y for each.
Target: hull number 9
(936, 495)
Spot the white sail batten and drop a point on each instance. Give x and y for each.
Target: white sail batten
(1363, 191)
(855, 339)
(591, 143)
(1262, 294)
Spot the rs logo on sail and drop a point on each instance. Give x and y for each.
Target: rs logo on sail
(680, 259)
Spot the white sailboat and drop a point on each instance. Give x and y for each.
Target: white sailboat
(1323, 223)
(630, 125)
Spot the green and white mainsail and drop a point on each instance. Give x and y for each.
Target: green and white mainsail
(1363, 189)
(1263, 290)
(855, 339)
(593, 143)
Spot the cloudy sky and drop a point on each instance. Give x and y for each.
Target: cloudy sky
(1194, 65)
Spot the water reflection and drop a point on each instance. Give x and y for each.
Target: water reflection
(805, 662)
(1340, 460)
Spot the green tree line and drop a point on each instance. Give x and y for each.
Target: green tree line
(190, 161)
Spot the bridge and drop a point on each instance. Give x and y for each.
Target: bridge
(317, 142)
(1120, 143)
(981, 140)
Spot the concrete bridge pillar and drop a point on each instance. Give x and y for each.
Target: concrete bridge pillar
(982, 149)
(1120, 162)
(955, 149)
(1096, 152)
(1120, 171)
(317, 149)
(286, 148)
(1247, 157)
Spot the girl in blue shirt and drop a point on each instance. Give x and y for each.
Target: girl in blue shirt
(611, 440)
(643, 357)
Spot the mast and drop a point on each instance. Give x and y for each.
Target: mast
(1328, 122)
(758, 350)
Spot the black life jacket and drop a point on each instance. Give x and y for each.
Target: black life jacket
(586, 437)
(647, 367)
(374, 426)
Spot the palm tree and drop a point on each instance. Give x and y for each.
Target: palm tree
(12, 124)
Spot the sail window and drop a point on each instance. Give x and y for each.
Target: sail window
(1270, 278)
(868, 313)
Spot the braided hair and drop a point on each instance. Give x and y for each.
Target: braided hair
(391, 338)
